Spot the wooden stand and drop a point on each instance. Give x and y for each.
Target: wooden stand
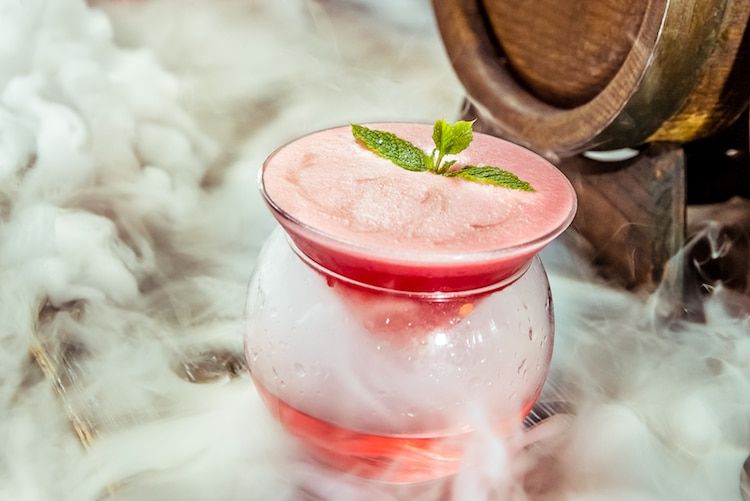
(632, 211)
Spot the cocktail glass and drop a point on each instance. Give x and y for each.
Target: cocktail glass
(380, 361)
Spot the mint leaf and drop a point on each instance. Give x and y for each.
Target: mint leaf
(452, 139)
(486, 174)
(438, 131)
(393, 148)
(447, 165)
(449, 140)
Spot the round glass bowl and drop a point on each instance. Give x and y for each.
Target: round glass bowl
(386, 383)
(382, 364)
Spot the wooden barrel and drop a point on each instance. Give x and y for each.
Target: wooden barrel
(564, 76)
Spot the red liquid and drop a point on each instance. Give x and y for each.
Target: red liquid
(396, 459)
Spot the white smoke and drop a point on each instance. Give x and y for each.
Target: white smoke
(129, 222)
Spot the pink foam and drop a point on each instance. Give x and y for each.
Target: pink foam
(353, 202)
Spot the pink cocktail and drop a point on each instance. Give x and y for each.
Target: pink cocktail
(405, 305)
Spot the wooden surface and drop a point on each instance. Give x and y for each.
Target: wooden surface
(576, 48)
(676, 75)
(633, 212)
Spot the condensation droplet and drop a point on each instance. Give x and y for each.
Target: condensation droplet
(299, 369)
(521, 367)
(474, 383)
(512, 395)
(531, 334)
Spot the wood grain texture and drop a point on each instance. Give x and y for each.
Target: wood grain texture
(633, 212)
(565, 51)
(662, 86)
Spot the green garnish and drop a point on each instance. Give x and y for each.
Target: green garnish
(449, 140)
(390, 146)
(491, 175)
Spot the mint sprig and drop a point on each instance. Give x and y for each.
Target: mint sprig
(393, 148)
(449, 139)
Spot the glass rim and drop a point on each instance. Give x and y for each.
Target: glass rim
(420, 257)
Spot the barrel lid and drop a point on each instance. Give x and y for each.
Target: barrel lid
(576, 48)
